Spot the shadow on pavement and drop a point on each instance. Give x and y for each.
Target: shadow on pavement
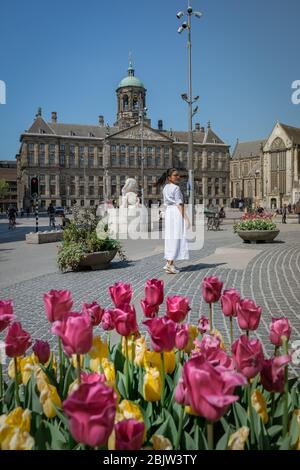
(200, 266)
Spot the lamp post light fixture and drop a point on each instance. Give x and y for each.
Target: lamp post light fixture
(143, 112)
(187, 25)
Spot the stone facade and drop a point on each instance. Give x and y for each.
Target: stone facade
(267, 173)
(8, 173)
(82, 163)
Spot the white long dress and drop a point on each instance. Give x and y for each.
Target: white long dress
(176, 245)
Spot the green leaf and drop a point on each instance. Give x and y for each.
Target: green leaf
(58, 440)
(61, 416)
(285, 443)
(274, 430)
(189, 442)
(69, 378)
(240, 415)
(36, 405)
(223, 442)
(294, 432)
(120, 380)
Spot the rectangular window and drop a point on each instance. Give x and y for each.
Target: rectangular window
(100, 162)
(72, 161)
(30, 159)
(114, 160)
(42, 159)
(122, 160)
(113, 149)
(42, 189)
(91, 161)
(52, 159)
(72, 190)
(158, 161)
(149, 151)
(62, 159)
(122, 149)
(91, 179)
(131, 161)
(91, 191)
(149, 161)
(72, 150)
(91, 150)
(31, 147)
(81, 151)
(81, 191)
(52, 190)
(131, 150)
(81, 161)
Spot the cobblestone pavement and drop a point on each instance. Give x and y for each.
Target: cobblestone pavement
(271, 278)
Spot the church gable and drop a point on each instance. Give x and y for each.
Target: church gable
(134, 133)
(278, 140)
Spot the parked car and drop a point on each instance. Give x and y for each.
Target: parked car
(59, 210)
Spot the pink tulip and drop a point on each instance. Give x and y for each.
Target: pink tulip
(229, 301)
(210, 389)
(272, 373)
(17, 340)
(91, 411)
(181, 392)
(76, 332)
(210, 348)
(182, 337)
(42, 350)
(177, 308)
(129, 434)
(149, 311)
(6, 314)
(248, 315)
(162, 332)
(211, 289)
(279, 327)
(121, 294)
(58, 304)
(125, 320)
(108, 320)
(203, 325)
(95, 312)
(248, 356)
(92, 378)
(154, 292)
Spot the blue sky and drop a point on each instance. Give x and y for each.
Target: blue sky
(68, 56)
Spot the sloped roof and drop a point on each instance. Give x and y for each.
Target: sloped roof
(199, 137)
(293, 132)
(247, 149)
(81, 130)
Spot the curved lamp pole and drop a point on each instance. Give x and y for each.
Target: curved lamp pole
(187, 25)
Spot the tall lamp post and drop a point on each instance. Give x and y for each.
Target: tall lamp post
(143, 112)
(105, 166)
(187, 25)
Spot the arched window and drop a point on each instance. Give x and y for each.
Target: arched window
(125, 103)
(135, 103)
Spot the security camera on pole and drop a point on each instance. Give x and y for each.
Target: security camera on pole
(187, 25)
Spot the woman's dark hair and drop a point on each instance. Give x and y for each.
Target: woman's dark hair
(164, 177)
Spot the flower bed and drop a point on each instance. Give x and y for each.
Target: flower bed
(255, 222)
(189, 391)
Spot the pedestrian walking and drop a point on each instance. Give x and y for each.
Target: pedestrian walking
(176, 222)
(297, 210)
(51, 214)
(284, 214)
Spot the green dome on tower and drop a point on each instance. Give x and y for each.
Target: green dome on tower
(130, 80)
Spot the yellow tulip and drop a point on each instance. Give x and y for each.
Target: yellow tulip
(73, 360)
(73, 387)
(297, 414)
(109, 371)
(19, 418)
(193, 333)
(40, 378)
(48, 398)
(99, 350)
(130, 346)
(15, 439)
(11, 369)
(189, 411)
(161, 443)
(259, 404)
(128, 410)
(26, 368)
(238, 440)
(153, 359)
(140, 350)
(152, 387)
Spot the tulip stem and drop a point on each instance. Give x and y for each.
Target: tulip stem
(211, 318)
(248, 334)
(60, 353)
(78, 368)
(127, 368)
(272, 407)
(252, 440)
(276, 353)
(285, 418)
(108, 343)
(231, 331)
(163, 380)
(210, 435)
(16, 382)
(180, 428)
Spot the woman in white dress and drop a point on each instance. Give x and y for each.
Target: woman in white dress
(176, 222)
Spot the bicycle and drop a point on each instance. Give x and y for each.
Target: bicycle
(213, 222)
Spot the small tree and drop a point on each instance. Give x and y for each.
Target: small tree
(3, 188)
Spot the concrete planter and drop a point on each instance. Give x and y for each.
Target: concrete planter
(258, 236)
(44, 237)
(97, 261)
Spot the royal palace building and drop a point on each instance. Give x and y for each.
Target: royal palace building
(267, 172)
(86, 164)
